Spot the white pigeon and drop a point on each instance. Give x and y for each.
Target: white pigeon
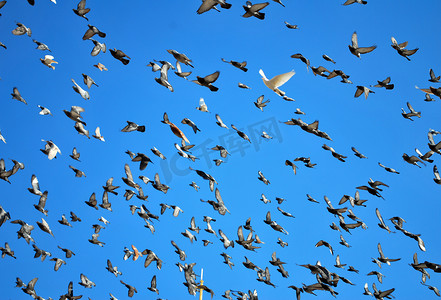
(277, 81)
(44, 111)
(102, 219)
(48, 61)
(98, 135)
(202, 106)
(50, 149)
(84, 94)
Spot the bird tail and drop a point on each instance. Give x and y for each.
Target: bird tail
(260, 16)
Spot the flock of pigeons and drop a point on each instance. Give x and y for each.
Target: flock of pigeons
(327, 280)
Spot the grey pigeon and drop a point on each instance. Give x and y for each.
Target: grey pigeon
(182, 58)
(21, 30)
(16, 95)
(86, 282)
(401, 49)
(120, 55)
(410, 114)
(357, 51)
(91, 31)
(260, 104)
(209, 4)
(239, 65)
(349, 2)
(41, 46)
(208, 80)
(254, 10)
(79, 127)
(88, 81)
(98, 47)
(81, 9)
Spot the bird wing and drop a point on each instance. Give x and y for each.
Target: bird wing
(109, 181)
(84, 279)
(403, 45)
(222, 234)
(218, 197)
(212, 77)
(2, 165)
(19, 30)
(377, 212)
(240, 233)
(164, 69)
(281, 79)
(16, 92)
(53, 150)
(319, 243)
(206, 6)
(354, 40)
(409, 52)
(363, 50)
(436, 173)
(81, 5)
(193, 223)
(32, 283)
(153, 282)
(165, 117)
(421, 243)
(394, 42)
(259, 6)
(128, 172)
(267, 274)
(105, 198)
(260, 99)
(34, 182)
(268, 216)
(428, 91)
(328, 202)
(380, 250)
(218, 118)
(92, 199)
(157, 181)
(359, 91)
(88, 34)
(384, 294)
(410, 107)
(348, 2)
(178, 67)
(263, 75)
(77, 109)
(355, 150)
(109, 264)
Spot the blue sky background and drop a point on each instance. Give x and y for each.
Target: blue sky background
(144, 30)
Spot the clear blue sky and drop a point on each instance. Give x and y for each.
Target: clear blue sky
(144, 30)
